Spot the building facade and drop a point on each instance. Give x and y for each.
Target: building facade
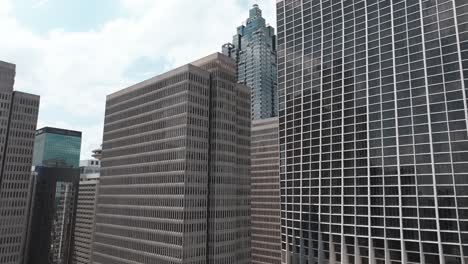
(175, 179)
(18, 119)
(373, 131)
(55, 194)
(85, 212)
(254, 50)
(52, 222)
(56, 147)
(265, 192)
(90, 167)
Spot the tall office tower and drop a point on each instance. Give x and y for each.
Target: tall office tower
(56, 147)
(265, 192)
(52, 221)
(85, 212)
(373, 130)
(254, 49)
(175, 175)
(55, 193)
(18, 119)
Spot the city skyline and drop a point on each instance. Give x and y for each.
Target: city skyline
(337, 135)
(64, 48)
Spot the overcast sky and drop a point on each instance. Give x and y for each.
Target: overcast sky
(74, 52)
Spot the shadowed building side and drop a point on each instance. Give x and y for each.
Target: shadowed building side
(373, 131)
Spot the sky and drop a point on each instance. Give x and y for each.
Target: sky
(74, 53)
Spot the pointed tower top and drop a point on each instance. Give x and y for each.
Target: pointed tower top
(255, 11)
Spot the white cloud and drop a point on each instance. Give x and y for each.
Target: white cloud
(74, 71)
(40, 3)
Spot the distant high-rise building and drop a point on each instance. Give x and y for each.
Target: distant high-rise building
(56, 147)
(254, 50)
(265, 192)
(175, 181)
(52, 221)
(373, 131)
(85, 212)
(90, 167)
(55, 193)
(97, 153)
(18, 119)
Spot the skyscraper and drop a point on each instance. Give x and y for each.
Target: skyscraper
(175, 179)
(265, 192)
(52, 222)
(373, 130)
(254, 49)
(85, 212)
(56, 179)
(18, 119)
(56, 147)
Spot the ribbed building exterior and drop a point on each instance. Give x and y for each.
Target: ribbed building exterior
(175, 175)
(85, 211)
(254, 49)
(265, 192)
(18, 119)
(373, 131)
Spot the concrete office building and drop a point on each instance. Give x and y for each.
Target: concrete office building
(85, 212)
(254, 50)
(373, 130)
(90, 167)
(175, 181)
(18, 119)
(265, 192)
(52, 221)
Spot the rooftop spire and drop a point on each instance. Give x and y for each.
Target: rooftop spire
(255, 11)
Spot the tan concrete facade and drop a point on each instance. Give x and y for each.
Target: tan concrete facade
(175, 171)
(18, 119)
(266, 219)
(85, 213)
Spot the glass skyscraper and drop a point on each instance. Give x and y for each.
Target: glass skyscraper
(254, 49)
(55, 147)
(53, 214)
(373, 130)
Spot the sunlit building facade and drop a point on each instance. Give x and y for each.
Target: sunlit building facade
(86, 210)
(265, 192)
(175, 173)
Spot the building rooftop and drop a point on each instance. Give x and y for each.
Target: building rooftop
(8, 65)
(192, 66)
(58, 131)
(152, 80)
